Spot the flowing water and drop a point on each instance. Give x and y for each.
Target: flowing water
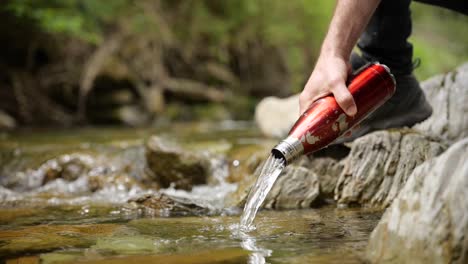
(83, 215)
(267, 177)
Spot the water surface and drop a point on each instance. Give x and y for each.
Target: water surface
(66, 222)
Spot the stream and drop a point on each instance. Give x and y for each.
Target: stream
(82, 214)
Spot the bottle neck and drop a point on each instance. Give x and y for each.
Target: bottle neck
(289, 149)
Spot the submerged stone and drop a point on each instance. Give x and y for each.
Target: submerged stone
(49, 237)
(58, 257)
(217, 256)
(127, 245)
(169, 165)
(428, 221)
(167, 205)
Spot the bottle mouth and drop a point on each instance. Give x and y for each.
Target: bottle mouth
(289, 150)
(278, 154)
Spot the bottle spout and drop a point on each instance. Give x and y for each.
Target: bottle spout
(288, 149)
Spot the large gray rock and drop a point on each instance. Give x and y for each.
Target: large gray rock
(297, 187)
(448, 95)
(379, 165)
(428, 222)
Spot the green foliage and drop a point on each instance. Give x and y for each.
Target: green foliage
(438, 39)
(297, 27)
(80, 18)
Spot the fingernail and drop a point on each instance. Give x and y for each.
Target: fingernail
(352, 110)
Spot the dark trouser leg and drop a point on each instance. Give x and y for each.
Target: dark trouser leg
(385, 38)
(455, 5)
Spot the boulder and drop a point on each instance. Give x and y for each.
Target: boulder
(169, 165)
(428, 221)
(296, 187)
(328, 164)
(448, 95)
(379, 165)
(167, 205)
(275, 116)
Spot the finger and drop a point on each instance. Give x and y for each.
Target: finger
(306, 100)
(304, 103)
(344, 99)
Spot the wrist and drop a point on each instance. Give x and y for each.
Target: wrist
(334, 51)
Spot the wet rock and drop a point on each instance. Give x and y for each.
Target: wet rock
(328, 164)
(243, 161)
(169, 165)
(67, 167)
(428, 221)
(379, 165)
(275, 116)
(127, 245)
(48, 237)
(25, 260)
(448, 95)
(120, 181)
(214, 256)
(168, 205)
(58, 257)
(296, 187)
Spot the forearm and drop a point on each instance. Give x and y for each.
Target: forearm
(349, 20)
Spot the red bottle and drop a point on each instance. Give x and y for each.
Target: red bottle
(325, 121)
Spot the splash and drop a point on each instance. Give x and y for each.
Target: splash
(267, 177)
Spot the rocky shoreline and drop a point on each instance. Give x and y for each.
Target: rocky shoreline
(419, 175)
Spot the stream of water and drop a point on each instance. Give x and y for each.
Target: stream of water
(267, 177)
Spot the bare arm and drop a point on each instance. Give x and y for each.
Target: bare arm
(332, 68)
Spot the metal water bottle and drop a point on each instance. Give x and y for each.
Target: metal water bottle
(325, 121)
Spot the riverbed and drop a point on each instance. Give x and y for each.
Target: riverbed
(73, 221)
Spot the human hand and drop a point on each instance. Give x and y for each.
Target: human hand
(329, 77)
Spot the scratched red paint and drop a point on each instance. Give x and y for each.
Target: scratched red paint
(324, 121)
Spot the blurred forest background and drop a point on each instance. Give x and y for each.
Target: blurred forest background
(153, 61)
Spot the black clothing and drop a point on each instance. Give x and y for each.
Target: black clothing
(386, 36)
